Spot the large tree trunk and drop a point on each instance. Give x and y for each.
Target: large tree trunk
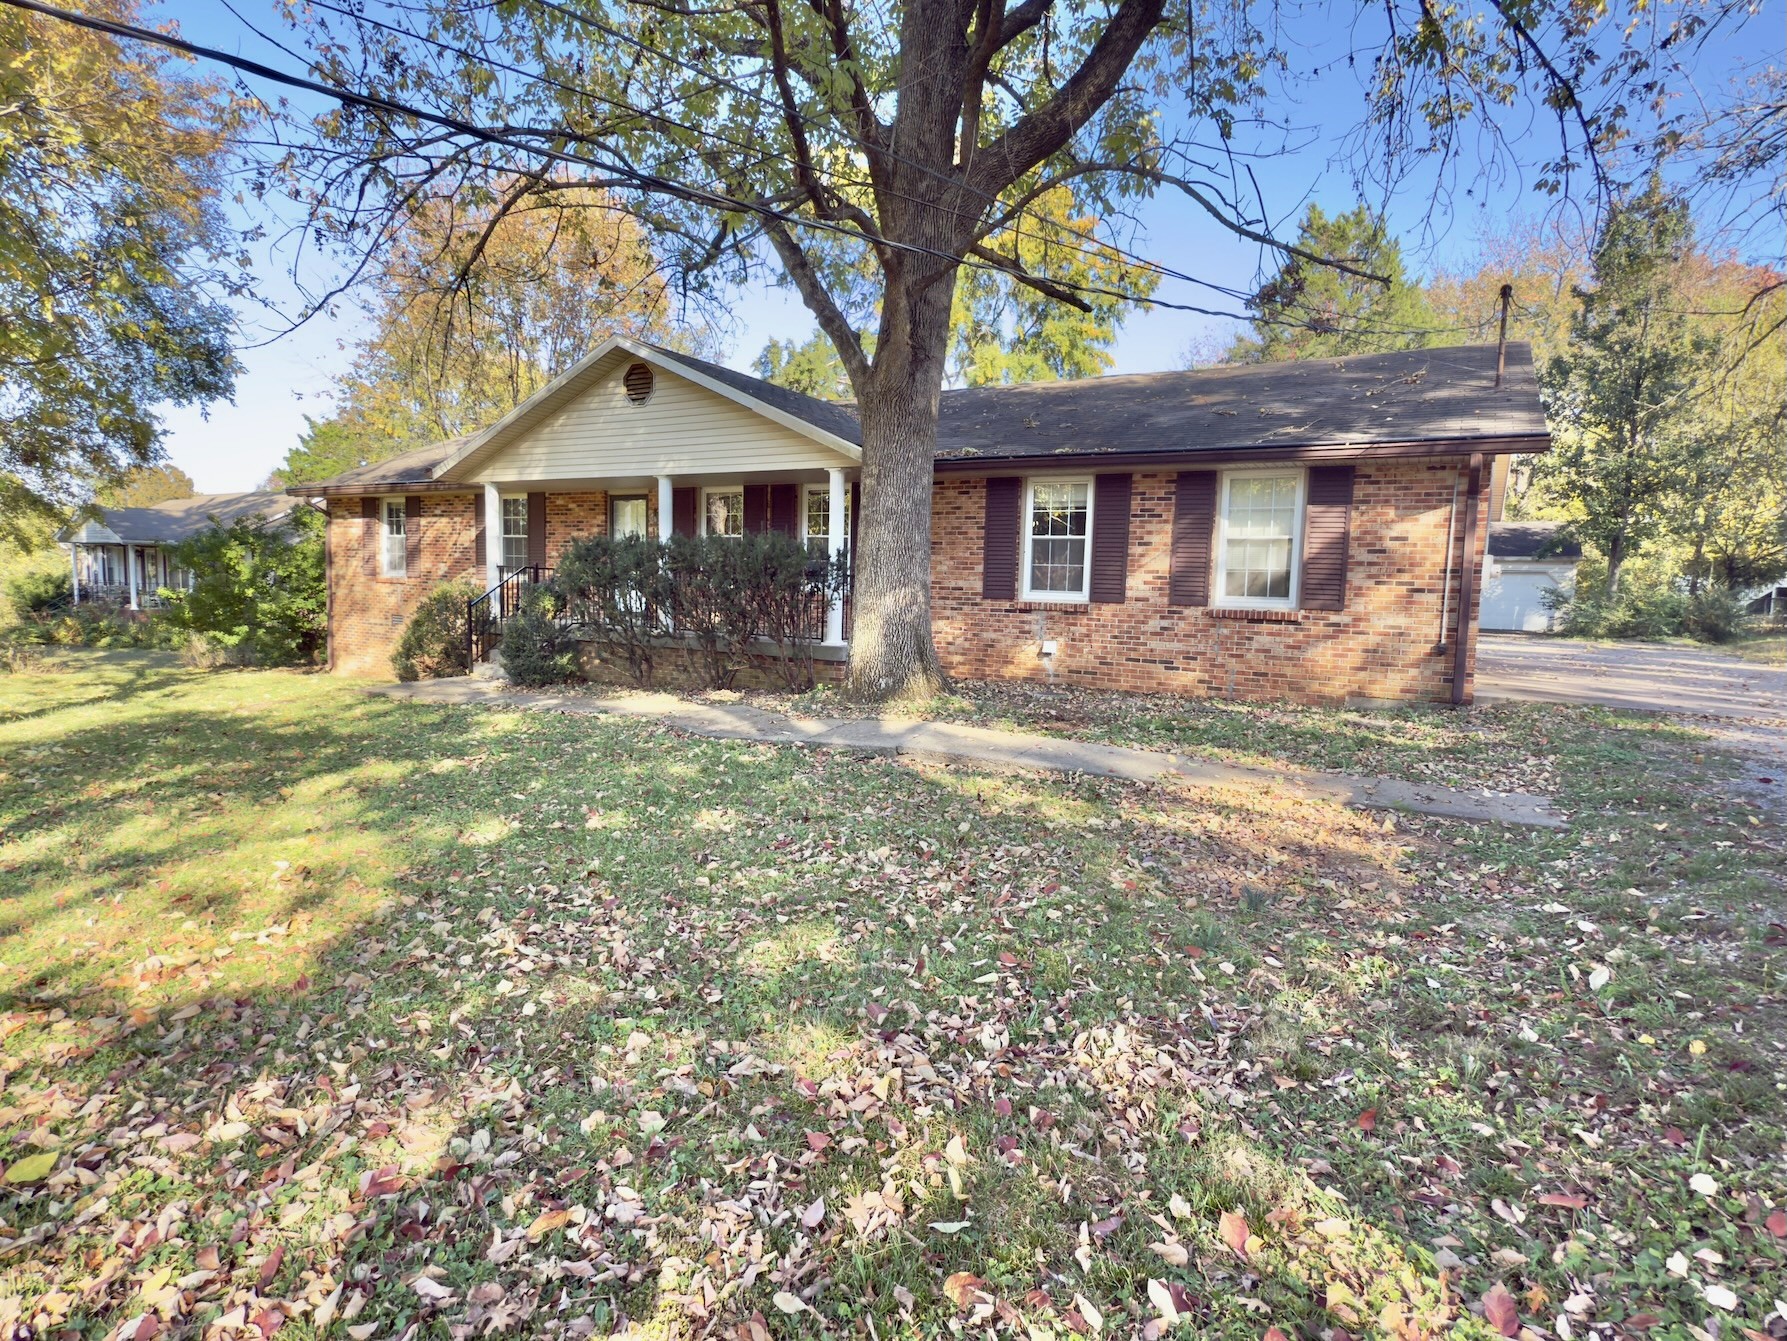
(1616, 560)
(892, 654)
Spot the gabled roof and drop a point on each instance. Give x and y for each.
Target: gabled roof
(178, 519)
(1531, 540)
(828, 424)
(1436, 398)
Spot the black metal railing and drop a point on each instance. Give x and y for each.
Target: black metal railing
(485, 615)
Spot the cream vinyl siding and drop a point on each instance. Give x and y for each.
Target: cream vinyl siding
(682, 429)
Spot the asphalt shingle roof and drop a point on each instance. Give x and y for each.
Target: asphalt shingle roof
(1411, 396)
(180, 519)
(1423, 395)
(1530, 540)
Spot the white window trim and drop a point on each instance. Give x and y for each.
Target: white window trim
(388, 568)
(722, 489)
(823, 491)
(1219, 577)
(1084, 595)
(503, 537)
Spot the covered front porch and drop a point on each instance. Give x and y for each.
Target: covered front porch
(524, 531)
(107, 569)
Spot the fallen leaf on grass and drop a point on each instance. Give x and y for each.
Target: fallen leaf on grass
(814, 1215)
(962, 1287)
(1233, 1228)
(1704, 1184)
(32, 1168)
(1571, 1200)
(1777, 1223)
(789, 1303)
(1173, 1253)
(545, 1223)
(431, 1289)
(1500, 1311)
(1367, 1121)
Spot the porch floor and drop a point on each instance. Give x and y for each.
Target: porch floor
(1002, 749)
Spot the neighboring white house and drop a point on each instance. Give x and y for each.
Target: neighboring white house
(123, 556)
(1524, 562)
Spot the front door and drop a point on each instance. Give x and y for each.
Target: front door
(627, 517)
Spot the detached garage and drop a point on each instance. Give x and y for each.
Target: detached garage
(1525, 562)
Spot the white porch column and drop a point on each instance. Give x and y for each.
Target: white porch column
(493, 536)
(130, 566)
(74, 563)
(839, 539)
(666, 508)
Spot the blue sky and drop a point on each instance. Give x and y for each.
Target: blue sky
(231, 446)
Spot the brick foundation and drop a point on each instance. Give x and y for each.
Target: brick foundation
(1381, 646)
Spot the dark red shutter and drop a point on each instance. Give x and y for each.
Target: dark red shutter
(371, 523)
(478, 551)
(685, 511)
(756, 507)
(855, 518)
(536, 529)
(1194, 524)
(1110, 538)
(999, 559)
(412, 535)
(1327, 535)
(784, 509)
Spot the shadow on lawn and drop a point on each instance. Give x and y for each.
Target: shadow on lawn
(681, 918)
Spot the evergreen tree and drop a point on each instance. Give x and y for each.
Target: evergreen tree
(1622, 398)
(1309, 311)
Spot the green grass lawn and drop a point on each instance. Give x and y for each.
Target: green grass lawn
(327, 1013)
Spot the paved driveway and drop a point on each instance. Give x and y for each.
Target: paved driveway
(1739, 703)
(1684, 681)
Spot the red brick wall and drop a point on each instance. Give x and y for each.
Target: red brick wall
(367, 612)
(1381, 646)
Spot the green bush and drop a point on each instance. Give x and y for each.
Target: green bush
(258, 596)
(535, 649)
(95, 626)
(753, 599)
(1652, 603)
(434, 645)
(620, 590)
(42, 589)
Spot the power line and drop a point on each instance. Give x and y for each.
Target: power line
(518, 138)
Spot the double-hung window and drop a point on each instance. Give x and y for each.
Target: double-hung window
(514, 533)
(1057, 539)
(1256, 554)
(723, 511)
(815, 518)
(393, 539)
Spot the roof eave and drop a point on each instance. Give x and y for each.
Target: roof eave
(1489, 445)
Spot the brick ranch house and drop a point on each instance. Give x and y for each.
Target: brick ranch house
(1305, 531)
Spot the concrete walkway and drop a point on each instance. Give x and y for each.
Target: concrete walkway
(1000, 749)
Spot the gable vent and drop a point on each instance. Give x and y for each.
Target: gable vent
(638, 381)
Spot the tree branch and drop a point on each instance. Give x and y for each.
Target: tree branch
(1050, 127)
(1010, 265)
(820, 303)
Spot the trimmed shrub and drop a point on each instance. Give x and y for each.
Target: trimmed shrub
(757, 599)
(535, 649)
(619, 589)
(433, 645)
